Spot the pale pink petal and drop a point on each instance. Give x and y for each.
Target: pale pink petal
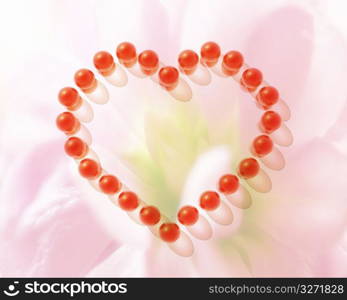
(126, 261)
(47, 227)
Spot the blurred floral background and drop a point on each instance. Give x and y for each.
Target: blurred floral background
(52, 223)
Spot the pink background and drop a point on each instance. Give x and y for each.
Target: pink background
(52, 223)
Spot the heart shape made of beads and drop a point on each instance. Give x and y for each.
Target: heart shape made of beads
(198, 69)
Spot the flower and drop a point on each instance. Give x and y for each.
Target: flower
(54, 224)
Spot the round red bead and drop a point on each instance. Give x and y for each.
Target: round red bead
(109, 184)
(249, 168)
(210, 52)
(128, 200)
(126, 53)
(262, 145)
(251, 78)
(70, 98)
(89, 168)
(75, 147)
(149, 215)
(67, 123)
(232, 62)
(270, 121)
(168, 77)
(267, 96)
(84, 78)
(209, 200)
(188, 60)
(169, 232)
(188, 215)
(149, 62)
(228, 184)
(103, 61)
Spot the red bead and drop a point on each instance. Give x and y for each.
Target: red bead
(188, 61)
(169, 232)
(248, 168)
(75, 147)
(267, 96)
(270, 121)
(149, 62)
(251, 78)
(209, 200)
(210, 52)
(104, 62)
(168, 77)
(262, 145)
(85, 79)
(128, 201)
(109, 184)
(70, 98)
(68, 123)
(188, 215)
(232, 62)
(228, 184)
(89, 168)
(149, 215)
(126, 53)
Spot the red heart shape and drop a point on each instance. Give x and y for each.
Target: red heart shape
(197, 69)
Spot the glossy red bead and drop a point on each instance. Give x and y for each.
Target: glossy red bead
(85, 79)
(249, 168)
(67, 123)
(188, 61)
(168, 77)
(169, 232)
(149, 62)
(128, 200)
(126, 53)
(228, 184)
(75, 147)
(251, 78)
(89, 168)
(270, 121)
(262, 145)
(232, 62)
(267, 96)
(70, 98)
(209, 200)
(104, 62)
(109, 184)
(188, 215)
(150, 215)
(210, 53)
